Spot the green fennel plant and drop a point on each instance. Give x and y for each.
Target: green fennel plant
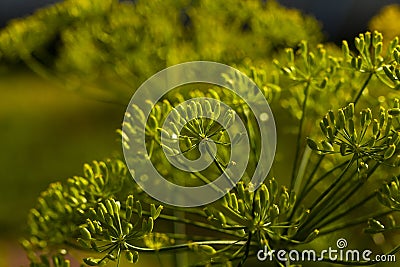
(338, 118)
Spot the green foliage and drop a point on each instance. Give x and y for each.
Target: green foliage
(353, 170)
(115, 45)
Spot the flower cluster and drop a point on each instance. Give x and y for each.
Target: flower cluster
(362, 136)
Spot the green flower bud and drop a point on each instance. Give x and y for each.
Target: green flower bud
(325, 121)
(273, 188)
(378, 49)
(395, 138)
(331, 136)
(240, 190)
(391, 220)
(153, 123)
(394, 112)
(132, 257)
(174, 128)
(175, 115)
(367, 39)
(375, 225)
(85, 233)
(382, 116)
(88, 171)
(396, 103)
(290, 55)
(388, 125)
(331, 116)
(394, 189)
(396, 55)
(345, 49)
(155, 212)
(312, 236)
(207, 249)
(389, 73)
(109, 207)
(228, 119)
(139, 208)
(91, 261)
(234, 204)
(368, 118)
(138, 114)
(150, 225)
(214, 94)
(217, 111)
(128, 213)
(341, 119)
(109, 219)
(311, 59)
(264, 195)
(312, 144)
(126, 227)
(350, 111)
(241, 206)
(359, 63)
(199, 109)
(323, 127)
(129, 201)
(327, 146)
(284, 200)
(343, 148)
(90, 226)
(354, 63)
(274, 211)
(221, 218)
(389, 152)
(351, 127)
(376, 38)
(208, 108)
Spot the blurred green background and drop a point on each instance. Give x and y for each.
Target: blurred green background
(47, 132)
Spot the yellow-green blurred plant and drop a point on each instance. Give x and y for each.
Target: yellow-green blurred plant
(115, 46)
(386, 21)
(343, 166)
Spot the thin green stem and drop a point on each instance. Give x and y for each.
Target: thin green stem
(346, 211)
(362, 88)
(322, 177)
(302, 168)
(191, 222)
(354, 222)
(348, 192)
(310, 177)
(333, 185)
(246, 253)
(298, 139)
(320, 203)
(188, 245)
